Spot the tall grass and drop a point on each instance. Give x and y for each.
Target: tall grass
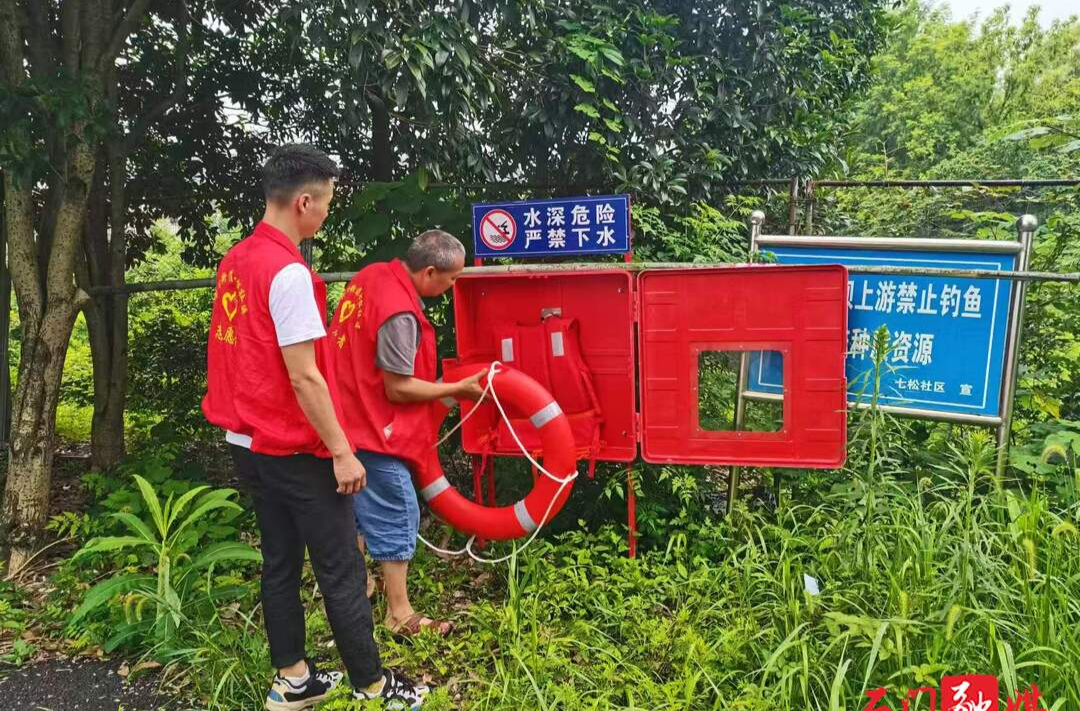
(957, 576)
(974, 580)
(928, 565)
(926, 571)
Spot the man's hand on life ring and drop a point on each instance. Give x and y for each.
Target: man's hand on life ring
(470, 388)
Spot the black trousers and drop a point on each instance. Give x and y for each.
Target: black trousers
(298, 507)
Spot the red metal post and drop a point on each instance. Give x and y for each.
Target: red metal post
(478, 465)
(491, 481)
(631, 510)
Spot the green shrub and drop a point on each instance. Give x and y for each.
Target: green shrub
(165, 591)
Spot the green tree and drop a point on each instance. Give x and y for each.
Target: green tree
(961, 100)
(182, 159)
(659, 97)
(110, 116)
(944, 87)
(57, 63)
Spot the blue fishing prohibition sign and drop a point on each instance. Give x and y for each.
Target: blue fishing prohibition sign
(549, 228)
(947, 335)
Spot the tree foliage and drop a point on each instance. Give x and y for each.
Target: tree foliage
(967, 100)
(656, 97)
(944, 89)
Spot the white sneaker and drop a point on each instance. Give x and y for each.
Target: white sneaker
(286, 696)
(399, 693)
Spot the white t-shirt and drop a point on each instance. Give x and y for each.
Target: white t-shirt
(296, 317)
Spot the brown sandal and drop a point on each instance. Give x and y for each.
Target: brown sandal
(416, 623)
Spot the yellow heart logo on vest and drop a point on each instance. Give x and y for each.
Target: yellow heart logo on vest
(347, 310)
(229, 303)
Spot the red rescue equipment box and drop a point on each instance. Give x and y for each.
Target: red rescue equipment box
(642, 336)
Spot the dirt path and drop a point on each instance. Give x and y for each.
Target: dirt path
(78, 685)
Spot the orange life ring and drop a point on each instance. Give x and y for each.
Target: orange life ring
(519, 392)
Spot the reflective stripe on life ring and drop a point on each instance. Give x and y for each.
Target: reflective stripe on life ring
(518, 393)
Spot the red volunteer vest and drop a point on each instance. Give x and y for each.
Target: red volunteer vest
(248, 388)
(372, 421)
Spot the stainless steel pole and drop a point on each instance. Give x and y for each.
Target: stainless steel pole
(757, 219)
(1026, 227)
(793, 207)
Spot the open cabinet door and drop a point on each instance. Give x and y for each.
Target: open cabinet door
(694, 326)
(490, 311)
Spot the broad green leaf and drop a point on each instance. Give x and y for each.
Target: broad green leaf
(137, 525)
(588, 109)
(612, 75)
(463, 55)
(229, 550)
(1051, 140)
(373, 192)
(584, 83)
(112, 543)
(106, 590)
(173, 606)
(586, 54)
(613, 55)
(385, 251)
(1028, 133)
(425, 55)
(153, 504)
(181, 503)
(405, 200)
(418, 76)
(212, 501)
(372, 227)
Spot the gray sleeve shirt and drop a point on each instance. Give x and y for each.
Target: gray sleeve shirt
(396, 344)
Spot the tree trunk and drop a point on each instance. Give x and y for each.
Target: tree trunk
(43, 250)
(33, 424)
(107, 316)
(47, 313)
(382, 150)
(108, 351)
(110, 398)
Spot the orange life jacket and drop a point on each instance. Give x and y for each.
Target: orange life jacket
(549, 351)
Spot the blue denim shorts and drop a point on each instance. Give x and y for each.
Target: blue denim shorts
(387, 512)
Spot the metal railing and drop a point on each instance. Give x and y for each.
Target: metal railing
(796, 188)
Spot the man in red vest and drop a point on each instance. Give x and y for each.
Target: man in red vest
(269, 388)
(383, 351)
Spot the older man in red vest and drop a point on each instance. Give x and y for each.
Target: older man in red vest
(383, 350)
(269, 388)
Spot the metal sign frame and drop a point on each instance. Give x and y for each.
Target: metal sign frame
(954, 248)
(1022, 247)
